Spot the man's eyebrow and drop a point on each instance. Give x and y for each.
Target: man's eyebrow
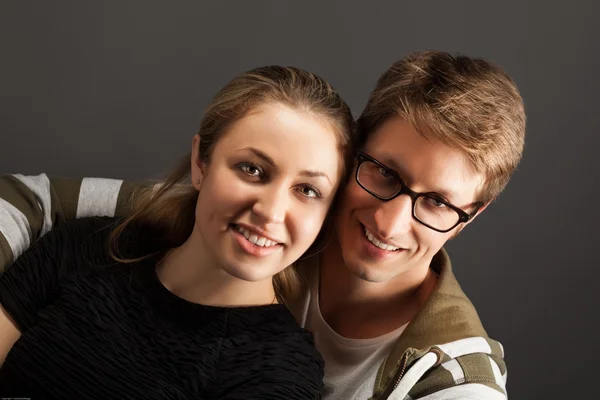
(307, 172)
(447, 194)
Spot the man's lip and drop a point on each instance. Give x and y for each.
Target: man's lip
(380, 239)
(259, 232)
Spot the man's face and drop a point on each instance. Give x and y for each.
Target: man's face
(363, 221)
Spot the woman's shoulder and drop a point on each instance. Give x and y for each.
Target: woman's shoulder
(135, 239)
(82, 228)
(273, 319)
(272, 357)
(273, 328)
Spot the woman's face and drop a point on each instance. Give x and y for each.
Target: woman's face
(265, 192)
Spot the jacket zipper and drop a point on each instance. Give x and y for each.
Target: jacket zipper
(404, 360)
(391, 388)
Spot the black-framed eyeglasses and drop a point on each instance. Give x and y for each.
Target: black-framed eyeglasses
(430, 209)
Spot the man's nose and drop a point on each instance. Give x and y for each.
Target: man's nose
(394, 218)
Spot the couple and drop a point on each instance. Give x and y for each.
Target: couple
(187, 293)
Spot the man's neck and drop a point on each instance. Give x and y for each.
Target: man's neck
(356, 308)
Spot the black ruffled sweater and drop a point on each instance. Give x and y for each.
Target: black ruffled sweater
(95, 329)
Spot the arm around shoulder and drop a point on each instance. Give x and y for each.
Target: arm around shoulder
(30, 206)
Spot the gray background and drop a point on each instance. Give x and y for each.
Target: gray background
(116, 89)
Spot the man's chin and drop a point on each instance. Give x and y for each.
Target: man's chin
(376, 271)
(367, 272)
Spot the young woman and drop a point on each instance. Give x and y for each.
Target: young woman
(186, 297)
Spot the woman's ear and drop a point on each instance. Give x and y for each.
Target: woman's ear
(197, 172)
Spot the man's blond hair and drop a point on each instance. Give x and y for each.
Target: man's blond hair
(467, 103)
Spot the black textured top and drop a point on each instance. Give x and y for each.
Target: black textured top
(95, 329)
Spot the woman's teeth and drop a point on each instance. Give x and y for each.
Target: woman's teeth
(254, 239)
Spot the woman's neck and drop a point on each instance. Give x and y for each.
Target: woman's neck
(189, 272)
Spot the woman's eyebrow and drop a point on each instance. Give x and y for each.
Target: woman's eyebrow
(307, 172)
(259, 154)
(314, 173)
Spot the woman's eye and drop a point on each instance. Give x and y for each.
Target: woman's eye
(251, 169)
(310, 192)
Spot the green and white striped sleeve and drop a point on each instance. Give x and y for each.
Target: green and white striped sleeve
(31, 205)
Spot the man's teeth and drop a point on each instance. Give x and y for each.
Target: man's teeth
(254, 239)
(377, 243)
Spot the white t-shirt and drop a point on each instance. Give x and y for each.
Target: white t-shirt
(351, 365)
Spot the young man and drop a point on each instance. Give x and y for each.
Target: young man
(440, 137)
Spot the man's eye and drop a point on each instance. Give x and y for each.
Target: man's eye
(384, 172)
(435, 202)
(251, 169)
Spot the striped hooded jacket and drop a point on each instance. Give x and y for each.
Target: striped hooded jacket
(444, 352)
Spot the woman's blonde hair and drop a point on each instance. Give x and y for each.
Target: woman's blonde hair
(168, 208)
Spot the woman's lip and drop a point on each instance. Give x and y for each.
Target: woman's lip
(251, 248)
(259, 232)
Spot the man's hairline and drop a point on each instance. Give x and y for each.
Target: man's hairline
(431, 138)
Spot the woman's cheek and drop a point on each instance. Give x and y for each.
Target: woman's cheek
(234, 190)
(312, 221)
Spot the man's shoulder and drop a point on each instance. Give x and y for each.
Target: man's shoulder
(468, 366)
(449, 327)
